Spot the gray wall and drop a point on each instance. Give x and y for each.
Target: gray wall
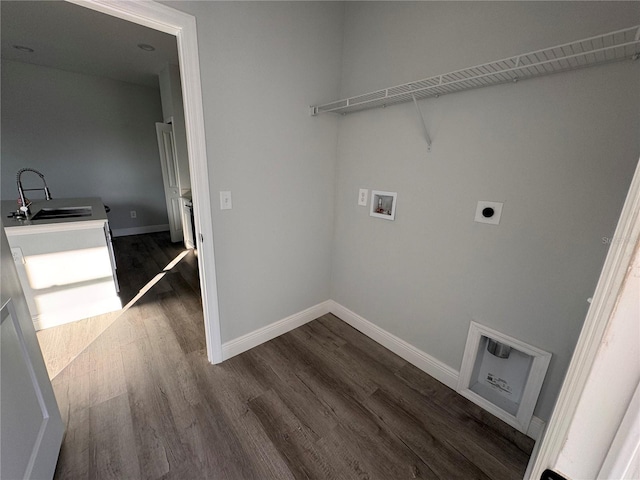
(262, 64)
(558, 151)
(89, 136)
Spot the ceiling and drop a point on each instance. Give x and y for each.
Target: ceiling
(77, 39)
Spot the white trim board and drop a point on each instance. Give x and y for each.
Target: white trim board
(257, 337)
(425, 362)
(125, 232)
(431, 366)
(438, 370)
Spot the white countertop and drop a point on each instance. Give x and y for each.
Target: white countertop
(15, 226)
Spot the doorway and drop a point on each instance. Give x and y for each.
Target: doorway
(182, 27)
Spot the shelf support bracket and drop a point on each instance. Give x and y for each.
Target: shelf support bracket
(424, 126)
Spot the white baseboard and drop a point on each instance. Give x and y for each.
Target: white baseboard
(438, 370)
(536, 428)
(425, 362)
(125, 232)
(264, 334)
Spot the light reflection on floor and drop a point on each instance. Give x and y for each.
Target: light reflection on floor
(62, 344)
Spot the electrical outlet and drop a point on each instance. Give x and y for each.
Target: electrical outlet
(488, 212)
(225, 201)
(363, 194)
(133, 214)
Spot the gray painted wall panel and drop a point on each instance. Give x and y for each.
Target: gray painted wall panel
(262, 65)
(89, 136)
(558, 151)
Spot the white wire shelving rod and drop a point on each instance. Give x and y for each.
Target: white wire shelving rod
(609, 47)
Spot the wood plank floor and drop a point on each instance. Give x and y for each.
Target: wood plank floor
(320, 402)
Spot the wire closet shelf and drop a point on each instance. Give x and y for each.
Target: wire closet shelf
(606, 48)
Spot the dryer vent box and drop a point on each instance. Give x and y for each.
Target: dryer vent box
(502, 374)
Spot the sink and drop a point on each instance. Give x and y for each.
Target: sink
(62, 212)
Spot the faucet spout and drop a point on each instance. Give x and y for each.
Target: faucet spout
(24, 203)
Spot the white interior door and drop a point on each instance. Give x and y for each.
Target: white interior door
(170, 179)
(31, 429)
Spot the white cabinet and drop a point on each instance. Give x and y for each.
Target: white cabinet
(67, 270)
(31, 429)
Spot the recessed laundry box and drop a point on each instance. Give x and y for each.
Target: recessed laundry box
(503, 375)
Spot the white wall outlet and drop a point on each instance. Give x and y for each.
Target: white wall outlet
(133, 214)
(363, 194)
(488, 212)
(225, 201)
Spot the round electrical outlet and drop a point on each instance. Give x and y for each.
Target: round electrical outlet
(488, 212)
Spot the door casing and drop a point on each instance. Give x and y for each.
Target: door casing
(183, 27)
(608, 290)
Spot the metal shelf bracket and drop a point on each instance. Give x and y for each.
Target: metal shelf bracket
(425, 132)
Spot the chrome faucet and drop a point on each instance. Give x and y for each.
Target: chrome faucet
(24, 206)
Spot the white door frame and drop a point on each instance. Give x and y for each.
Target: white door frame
(609, 288)
(183, 26)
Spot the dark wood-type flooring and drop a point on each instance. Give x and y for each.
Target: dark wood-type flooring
(320, 402)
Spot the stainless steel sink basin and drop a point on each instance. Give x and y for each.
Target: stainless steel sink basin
(62, 212)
